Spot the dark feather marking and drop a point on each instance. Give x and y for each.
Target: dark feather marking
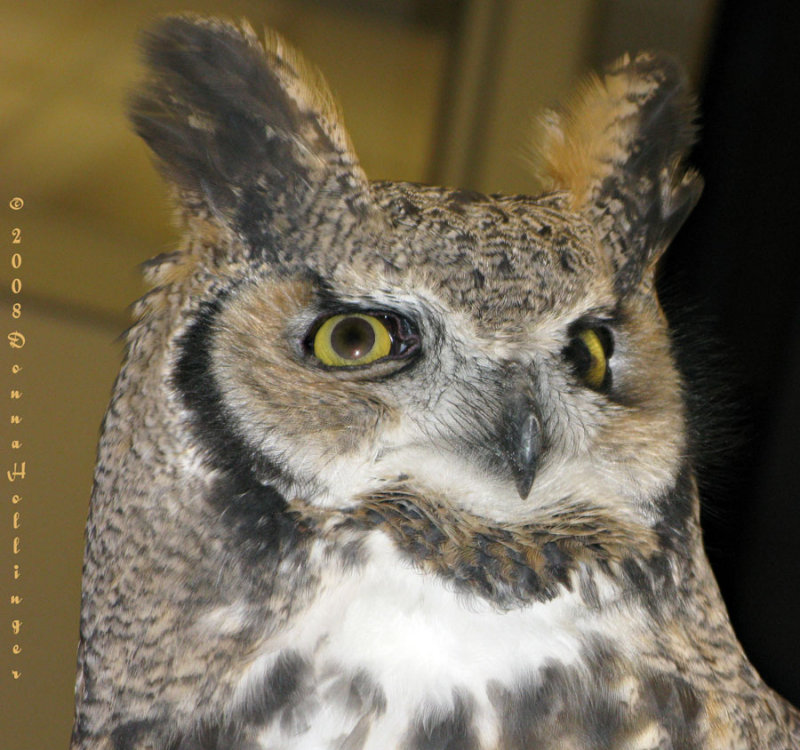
(225, 129)
(279, 692)
(677, 706)
(288, 695)
(193, 379)
(637, 578)
(588, 588)
(651, 194)
(364, 694)
(256, 513)
(508, 565)
(212, 737)
(564, 706)
(676, 511)
(206, 110)
(435, 729)
(133, 734)
(516, 564)
(208, 737)
(281, 688)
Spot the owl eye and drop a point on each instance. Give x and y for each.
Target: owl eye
(589, 351)
(354, 339)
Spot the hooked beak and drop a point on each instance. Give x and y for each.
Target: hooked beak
(523, 441)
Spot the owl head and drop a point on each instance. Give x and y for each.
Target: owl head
(338, 337)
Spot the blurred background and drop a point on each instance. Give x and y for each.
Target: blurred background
(441, 91)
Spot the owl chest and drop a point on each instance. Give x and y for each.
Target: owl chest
(388, 657)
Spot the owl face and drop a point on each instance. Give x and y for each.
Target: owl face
(473, 348)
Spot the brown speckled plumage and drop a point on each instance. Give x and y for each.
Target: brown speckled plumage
(488, 537)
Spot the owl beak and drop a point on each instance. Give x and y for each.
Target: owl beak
(523, 442)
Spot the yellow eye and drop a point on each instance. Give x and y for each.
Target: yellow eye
(351, 340)
(589, 352)
(595, 373)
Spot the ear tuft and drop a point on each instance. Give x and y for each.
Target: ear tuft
(618, 149)
(232, 121)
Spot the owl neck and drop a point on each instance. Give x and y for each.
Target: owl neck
(512, 565)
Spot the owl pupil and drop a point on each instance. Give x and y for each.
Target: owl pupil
(352, 338)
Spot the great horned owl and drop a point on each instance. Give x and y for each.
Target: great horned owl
(393, 466)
